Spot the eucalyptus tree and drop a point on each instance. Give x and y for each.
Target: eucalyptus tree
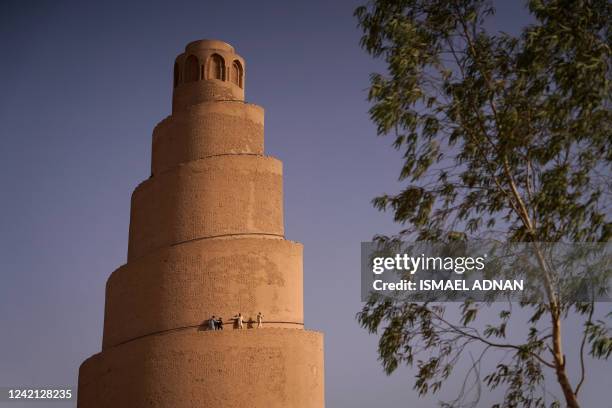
(504, 136)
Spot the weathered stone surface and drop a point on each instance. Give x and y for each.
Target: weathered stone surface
(207, 129)
(183, 285)
(187, 95)
(258, 368)
(220, 195)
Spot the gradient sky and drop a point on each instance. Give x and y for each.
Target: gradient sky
(82, 86)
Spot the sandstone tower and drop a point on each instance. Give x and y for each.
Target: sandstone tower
(207, 238)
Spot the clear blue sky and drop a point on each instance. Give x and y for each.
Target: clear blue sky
(82, 86)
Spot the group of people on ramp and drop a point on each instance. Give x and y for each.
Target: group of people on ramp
(216, 323)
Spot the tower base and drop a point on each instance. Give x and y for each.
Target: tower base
(267, 368)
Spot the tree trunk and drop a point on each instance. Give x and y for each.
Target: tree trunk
(559, 357)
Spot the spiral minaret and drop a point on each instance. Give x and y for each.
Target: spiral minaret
(207, 238)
